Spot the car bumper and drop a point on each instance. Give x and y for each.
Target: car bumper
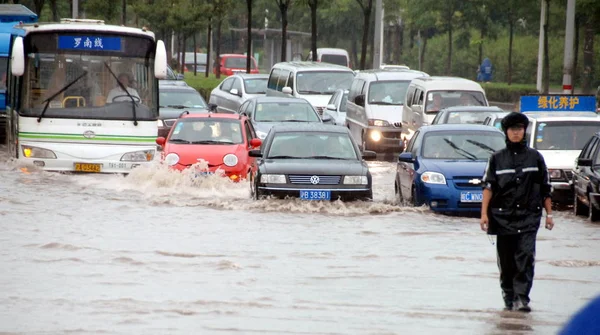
(446, 198)
(344, 192)
(236, 174)
(562, 192)
(384, 139)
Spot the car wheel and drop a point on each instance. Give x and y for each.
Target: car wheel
(593, 212)
(578, 206)
(363, 142)
(398, 192)
(413, 194)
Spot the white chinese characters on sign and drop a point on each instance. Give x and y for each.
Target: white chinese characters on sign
(98, 43)
(87, 43)
(77, 41)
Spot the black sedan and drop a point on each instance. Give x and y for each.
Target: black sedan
(265, 112)
(311, 162)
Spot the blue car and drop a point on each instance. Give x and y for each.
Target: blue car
(443, 165)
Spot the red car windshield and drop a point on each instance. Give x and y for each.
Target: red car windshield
(207, 131)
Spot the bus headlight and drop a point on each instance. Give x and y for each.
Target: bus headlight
(230, 160)
(376, 135)
(35, 152)
(138, 156)
(356, 180)
(171, 159)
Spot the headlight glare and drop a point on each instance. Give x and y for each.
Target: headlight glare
(35, 152)
(171, 159)
(138, 156)
(356, 180)
(433, 178)
(160, 123)
(376, 135)
(230, 160)
(272, 179)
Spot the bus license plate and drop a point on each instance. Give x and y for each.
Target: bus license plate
(315, 195)
(471, 196)
(85, 167)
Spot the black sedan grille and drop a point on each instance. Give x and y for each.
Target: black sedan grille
(468, 181)
(314, 179)
(569, 174)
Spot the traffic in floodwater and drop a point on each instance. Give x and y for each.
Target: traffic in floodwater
(163, 252)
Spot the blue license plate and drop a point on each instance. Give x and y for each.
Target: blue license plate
(315, 195)
(471, 196)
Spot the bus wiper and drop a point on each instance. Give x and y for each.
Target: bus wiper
(47, 101)
(179, 140)
(461, 151)
(135, 123)
(482, 146)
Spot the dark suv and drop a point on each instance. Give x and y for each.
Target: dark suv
(586, 180)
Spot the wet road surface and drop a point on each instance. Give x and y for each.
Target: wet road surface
(158, 253)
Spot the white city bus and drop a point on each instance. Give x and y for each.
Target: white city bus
(83, 96)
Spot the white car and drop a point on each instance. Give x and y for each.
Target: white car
(336, 107)
(236, 89)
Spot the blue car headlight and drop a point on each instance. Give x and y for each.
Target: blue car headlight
(433, 178)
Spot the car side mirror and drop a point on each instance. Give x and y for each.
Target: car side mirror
(234, 91)
(406, 157)
(326, 118)
(369, 155)
(255, 152)
(212, 107)
(255, 142)
(360, 100)
(331, 107)
(161, 141)
(180, 76)
(287, 90)
(584, 162)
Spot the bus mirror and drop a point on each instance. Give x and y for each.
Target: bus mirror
(160, 61)
(18, 58)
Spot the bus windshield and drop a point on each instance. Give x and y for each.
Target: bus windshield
(93, 77)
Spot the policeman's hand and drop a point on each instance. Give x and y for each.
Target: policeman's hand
(549, 223)
(484, 222)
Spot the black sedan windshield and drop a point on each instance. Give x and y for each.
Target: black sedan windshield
(317, 145)
(285, 111)
(465, 145)
(207, 131)
(185, 99)
(464, 117)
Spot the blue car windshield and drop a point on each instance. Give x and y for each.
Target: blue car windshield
(464, 145)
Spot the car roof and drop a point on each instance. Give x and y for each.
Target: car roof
(484, 109)
(235, 55)
(264, 99)
(441, 82)
(308, 127)
(252, 75)
(212, 116)
(180, 88)
(458, 127)
(383, 75)
(562, 116)
(312, 66)
(172, 82)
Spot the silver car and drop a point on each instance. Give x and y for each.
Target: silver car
(236, 89)
(336, 107)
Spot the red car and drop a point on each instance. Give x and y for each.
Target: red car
(234, 63)
(223, 140)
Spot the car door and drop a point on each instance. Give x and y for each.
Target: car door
(333, 101)
(406, 171)
(223, 94)
(250, 134)
(581, 175)
(231, 95)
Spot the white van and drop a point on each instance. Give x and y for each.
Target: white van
(313, 81)
(332, 56)
(374, 108)
(428, 95)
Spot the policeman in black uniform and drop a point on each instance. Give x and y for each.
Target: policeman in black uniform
(516, 188)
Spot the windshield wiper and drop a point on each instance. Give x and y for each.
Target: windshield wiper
(310, 92)
(297, 121)
(325, 157)
(133, 104)
(460, 151)
(481, 145)
(283, 157)
(179, 140)
(210, 142)
(47, 101)
(178, 106)
(382, 103)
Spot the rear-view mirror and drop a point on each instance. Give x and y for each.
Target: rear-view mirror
(255, 153)
(179, 76)
(212, 107)
(234, 91)
(331, 107)
(584, 162)
(160, 61)
(161, 141)
(255, 142)
(286, 90)
(18, 57)
(326, 118)
(360, 100)
(369, 155)
(406, 157)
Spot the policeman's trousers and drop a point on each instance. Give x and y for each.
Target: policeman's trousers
(516, 260)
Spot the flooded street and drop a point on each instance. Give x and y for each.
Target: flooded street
(158, 253)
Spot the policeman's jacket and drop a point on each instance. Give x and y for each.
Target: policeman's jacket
(519, 181)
